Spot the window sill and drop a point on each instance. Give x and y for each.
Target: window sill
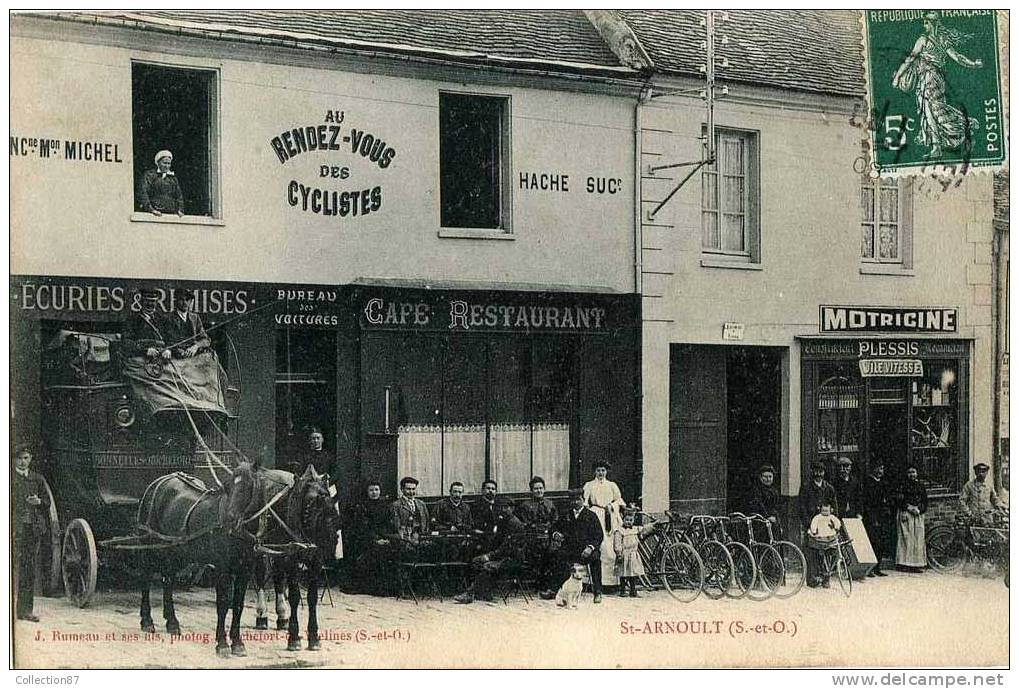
(885, 269)
(735, 264)
(467, 233)
(167, 219)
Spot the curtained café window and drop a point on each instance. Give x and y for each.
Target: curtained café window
(176, 109)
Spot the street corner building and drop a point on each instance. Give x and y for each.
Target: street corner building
(486, 244)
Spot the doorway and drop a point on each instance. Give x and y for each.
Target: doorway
(725, 421)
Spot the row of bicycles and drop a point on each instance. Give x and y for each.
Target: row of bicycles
(735, 556)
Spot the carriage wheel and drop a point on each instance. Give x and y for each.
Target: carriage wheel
(49, 554)
(80, 563)
(744, 570)
(682, 572)
(718, 568)
(794, 569)
(770, 571)
(945, 549)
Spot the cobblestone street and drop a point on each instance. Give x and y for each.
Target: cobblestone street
(903, 619)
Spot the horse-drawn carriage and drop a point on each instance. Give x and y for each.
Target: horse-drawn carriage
(113, 424)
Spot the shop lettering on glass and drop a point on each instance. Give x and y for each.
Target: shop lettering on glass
(88, 298)
(847, 319)
(464, 316)
(333, 138)
(303, 306)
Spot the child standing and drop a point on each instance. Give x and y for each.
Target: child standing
(824, 530)
(625, 540)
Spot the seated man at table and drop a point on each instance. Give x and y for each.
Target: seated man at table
(409, 516)
(576, 537)
(452, 513)
(537, 511)
(504, 557)
(485, 510)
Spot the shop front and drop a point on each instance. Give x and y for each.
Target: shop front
(468, 385)
(901, 396)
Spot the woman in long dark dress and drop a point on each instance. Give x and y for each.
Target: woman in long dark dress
(911, 552)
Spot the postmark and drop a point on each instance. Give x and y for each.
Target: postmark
(934, 91)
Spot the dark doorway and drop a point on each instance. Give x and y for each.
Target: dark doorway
(754, 394)
(305, 390)
(725, 421)
(889, 426)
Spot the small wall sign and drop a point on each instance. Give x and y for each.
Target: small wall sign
(732, 331)
(891, 368)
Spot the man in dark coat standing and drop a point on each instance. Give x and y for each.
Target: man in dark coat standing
(31, 503)
(578, 535)
(876, 502)
(763, 499)
(847, 490)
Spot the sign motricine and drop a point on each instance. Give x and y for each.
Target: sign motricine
(836, 319)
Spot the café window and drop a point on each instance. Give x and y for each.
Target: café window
(886, 223)
(176, 109)
(474, 161)
(465, 408)
(730, 209)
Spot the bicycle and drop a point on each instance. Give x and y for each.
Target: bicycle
(835, 563)
(719, 568)
(671, 561)
(770, 566)
(951, 547)
(745, 570)
(794, 563)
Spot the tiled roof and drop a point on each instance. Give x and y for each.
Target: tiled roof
(549, 36)
(807, 50)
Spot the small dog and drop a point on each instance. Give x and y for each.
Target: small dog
(569, 592)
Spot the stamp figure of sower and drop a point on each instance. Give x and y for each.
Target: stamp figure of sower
(942, 125)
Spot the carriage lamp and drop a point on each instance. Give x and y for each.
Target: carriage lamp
(123, 416)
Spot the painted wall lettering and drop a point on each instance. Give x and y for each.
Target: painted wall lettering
(47, 147)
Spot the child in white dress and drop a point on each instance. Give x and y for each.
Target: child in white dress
(625, 539)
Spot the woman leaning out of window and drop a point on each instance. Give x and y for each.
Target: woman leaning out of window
(159, 191)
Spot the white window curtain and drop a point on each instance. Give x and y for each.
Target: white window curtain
(552, 454)
(463, 457)
(510, 447)
(419, 454)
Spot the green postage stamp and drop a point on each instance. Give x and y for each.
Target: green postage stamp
(934, 90)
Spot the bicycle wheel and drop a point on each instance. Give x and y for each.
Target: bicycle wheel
(718, 568)
(682, 572)
(845, 576)
(770, 571)
(794, 569)
(744, 570)
(945, 549)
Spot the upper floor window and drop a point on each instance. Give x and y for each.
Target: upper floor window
(730, 222)
(474, 161)
(174, 110)
(885, 222)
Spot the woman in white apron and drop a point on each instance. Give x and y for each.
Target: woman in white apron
(604, 499)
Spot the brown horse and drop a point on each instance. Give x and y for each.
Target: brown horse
(311, 520)
(195, 526)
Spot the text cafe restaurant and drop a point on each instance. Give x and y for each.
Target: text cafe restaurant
(443, 385)
(889, 383)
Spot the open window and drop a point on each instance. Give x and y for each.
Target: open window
(175, 109)
(474, 162)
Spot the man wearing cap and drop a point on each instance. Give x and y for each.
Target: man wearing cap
(762, 498)
(847, 490)
(876, 501)
(144, 334)
(979, 501)
(814, 493)
(577, 538)
(159, 191)
(183, 328)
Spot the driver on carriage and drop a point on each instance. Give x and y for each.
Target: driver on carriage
(144, 334)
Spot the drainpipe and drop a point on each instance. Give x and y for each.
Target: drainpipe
(999, 315)
(638, 215)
